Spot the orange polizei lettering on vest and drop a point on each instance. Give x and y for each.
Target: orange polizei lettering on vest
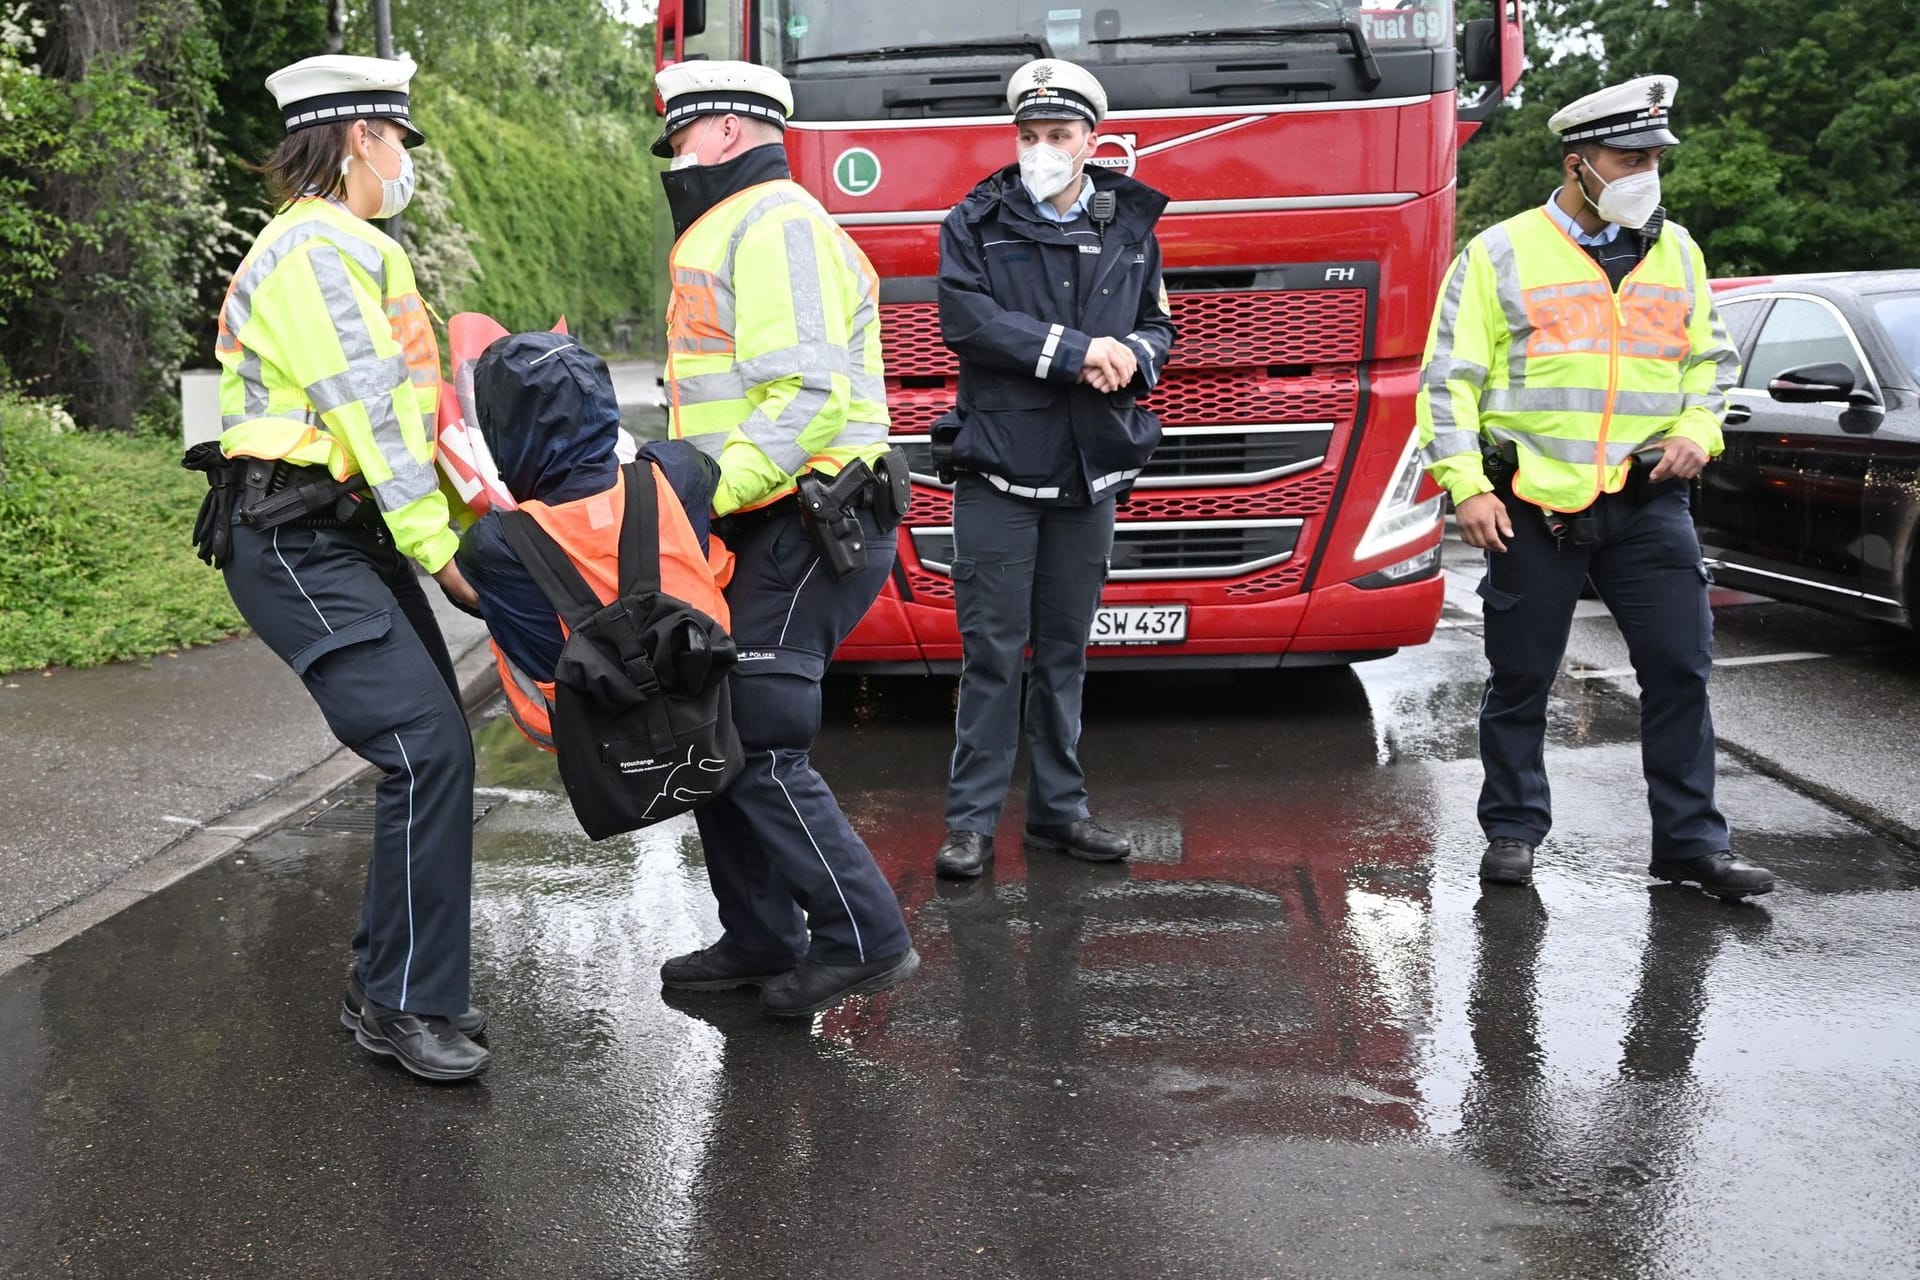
(1655, 321)
(1566, 317)
(693, 315)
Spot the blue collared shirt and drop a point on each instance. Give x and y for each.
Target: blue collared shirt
(1572, 226)
(1074, 210)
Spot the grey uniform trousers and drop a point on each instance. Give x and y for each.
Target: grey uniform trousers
(346, 612)
(1023, 574)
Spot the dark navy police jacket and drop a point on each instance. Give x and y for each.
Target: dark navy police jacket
(1020, 299)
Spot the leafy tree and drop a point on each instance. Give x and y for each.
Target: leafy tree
(1797, 124)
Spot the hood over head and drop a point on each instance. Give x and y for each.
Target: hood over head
(546, 409)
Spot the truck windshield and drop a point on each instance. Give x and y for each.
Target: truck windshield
(822, 36)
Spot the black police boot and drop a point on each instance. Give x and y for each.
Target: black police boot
(1507, 861)
(1720, 874)
(472, 1023)
(963, 856)
(1086, 840)
(815, 987)
(718, 968)
(429, 1046)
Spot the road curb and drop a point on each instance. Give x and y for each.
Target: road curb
(221, 836)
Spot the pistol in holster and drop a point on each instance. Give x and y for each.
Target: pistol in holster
(830, 513)
(1640, 488)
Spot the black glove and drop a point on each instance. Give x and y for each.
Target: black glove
(213, 527)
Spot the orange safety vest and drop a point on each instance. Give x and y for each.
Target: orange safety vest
(588, 530)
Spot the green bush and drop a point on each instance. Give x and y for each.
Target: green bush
(560, 213)
(96, 562)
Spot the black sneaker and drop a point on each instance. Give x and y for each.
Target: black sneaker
(814, 988)
(1507, 861)
(1720, 874)
(718, 968)
(1086, 840)
(424, 1044)
(472, 1023)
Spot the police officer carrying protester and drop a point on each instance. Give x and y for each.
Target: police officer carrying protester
(773, 370)
(323, 498)
(1050, 294)
(1575, 382)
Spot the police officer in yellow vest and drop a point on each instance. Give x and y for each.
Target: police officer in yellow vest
(325, 497)
(1574, 384)
(773, 370)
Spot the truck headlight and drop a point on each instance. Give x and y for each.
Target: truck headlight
(1400, 519)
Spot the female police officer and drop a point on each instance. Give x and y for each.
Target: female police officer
(328, 392)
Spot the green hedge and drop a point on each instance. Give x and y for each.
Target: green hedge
(563, 217)
(95, 559)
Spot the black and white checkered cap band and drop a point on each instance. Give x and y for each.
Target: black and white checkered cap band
(1044, 103)
(1627, 122)
(692, 106)
(333, 107)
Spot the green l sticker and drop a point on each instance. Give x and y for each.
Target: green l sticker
(857, 171)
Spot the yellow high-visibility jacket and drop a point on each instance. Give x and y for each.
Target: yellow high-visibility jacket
(1531, 345)
(773, 344)
(328, 359)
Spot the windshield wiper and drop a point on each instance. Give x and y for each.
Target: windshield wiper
(1348, 26)
(1034, 45)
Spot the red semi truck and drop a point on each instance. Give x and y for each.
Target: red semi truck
(1308, 148)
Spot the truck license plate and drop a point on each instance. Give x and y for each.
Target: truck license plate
(1140, 624)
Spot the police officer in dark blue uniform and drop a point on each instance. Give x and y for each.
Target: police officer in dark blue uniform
(1050, 294)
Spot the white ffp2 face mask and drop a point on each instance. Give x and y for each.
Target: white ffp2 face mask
(1629, 202)
(691, 156)
(395, 193)
(1045, 171)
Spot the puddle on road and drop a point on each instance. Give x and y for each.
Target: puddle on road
(1292, 1038)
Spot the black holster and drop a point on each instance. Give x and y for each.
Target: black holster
(1640, 488)
(830, 513)
(279, 492)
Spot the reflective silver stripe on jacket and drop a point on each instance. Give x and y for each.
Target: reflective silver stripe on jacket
(1644, 404)
(371, 380)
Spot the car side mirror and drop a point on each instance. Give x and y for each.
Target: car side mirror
(1812, 383)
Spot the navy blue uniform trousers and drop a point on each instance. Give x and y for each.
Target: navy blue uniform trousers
(1646, 566)
(782, 858)
(346, 612)
(1024, 574)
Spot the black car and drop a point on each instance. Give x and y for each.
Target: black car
(1817, 497)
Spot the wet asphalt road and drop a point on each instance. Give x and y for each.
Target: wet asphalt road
(1291, 1039)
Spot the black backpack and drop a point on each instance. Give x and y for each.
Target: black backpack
(642, 719)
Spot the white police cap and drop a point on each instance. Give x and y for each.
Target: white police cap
(1051, 89)
(702, 88)
(1629, 116)
(337, 87)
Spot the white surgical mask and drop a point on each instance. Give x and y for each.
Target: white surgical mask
(1045, 171)
(1629, 202)
(395, 193)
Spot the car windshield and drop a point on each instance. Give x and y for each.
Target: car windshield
(823, 36)
(1899, 315)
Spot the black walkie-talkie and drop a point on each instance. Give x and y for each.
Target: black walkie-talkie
(1101, 209)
